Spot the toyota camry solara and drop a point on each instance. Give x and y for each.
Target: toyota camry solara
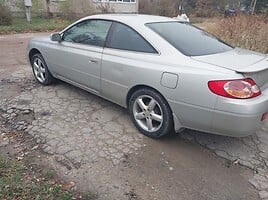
(169, 74)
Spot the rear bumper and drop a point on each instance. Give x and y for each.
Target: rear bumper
(229, 117)
(239, 118)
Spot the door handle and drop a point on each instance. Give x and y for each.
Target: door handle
(93, 61)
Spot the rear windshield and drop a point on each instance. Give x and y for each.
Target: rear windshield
(188, 39)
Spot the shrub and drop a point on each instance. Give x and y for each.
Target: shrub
(245, 31)
(105, 7)
(5, 15)
(73, 9)
(204, 13)
(37, 9)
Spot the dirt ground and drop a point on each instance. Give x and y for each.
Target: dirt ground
(92, 142)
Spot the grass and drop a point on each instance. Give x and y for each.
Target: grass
(16, 182)
(20, 25)
(245, 31)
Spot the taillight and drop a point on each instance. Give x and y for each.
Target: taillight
(236, 89)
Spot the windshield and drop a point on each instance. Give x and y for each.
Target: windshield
(189, 39)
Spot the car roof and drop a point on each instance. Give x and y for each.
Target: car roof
(136, 21)
(131, 19)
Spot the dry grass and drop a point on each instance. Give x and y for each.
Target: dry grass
(249, 32)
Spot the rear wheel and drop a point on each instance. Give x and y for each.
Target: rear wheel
(40, 70)
(150, 113)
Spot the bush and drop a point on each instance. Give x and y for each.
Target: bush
(37, 9)
(204, 13)
(159, 7)
(74, 9)
(5, 15)
(245, 31)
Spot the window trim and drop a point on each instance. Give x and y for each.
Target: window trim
(110, 33)
(62, 33)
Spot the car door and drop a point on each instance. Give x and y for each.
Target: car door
(77, 58)
(125, 58)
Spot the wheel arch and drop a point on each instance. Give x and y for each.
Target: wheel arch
(177, 125)
(32, 52)
(137, 87)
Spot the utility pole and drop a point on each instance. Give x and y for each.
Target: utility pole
(49, 14)
(28, 4)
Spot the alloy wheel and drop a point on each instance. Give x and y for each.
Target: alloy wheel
(39, 70)
(148, 113)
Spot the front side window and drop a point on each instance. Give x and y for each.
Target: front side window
(89, 32)
(125, 38)
(189, 40)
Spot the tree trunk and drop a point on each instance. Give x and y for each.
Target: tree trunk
(254, 6)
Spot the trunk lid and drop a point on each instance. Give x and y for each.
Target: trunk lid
(239, 60)
(251, 64)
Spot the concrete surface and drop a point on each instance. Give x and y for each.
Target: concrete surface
(92, 142)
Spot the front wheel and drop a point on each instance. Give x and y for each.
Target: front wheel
(40, 70)
(150, 113)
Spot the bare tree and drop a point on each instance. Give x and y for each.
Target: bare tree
(253, 6)
(105, 7)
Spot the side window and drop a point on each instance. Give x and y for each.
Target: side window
(90, 32)
(125, 38)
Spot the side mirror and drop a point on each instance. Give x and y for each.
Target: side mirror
(56, 37)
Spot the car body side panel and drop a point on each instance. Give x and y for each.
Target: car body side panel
(122, 70)
(236, 117)
(77, 62)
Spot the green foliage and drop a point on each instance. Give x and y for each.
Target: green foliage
(17, 183)
(20, 25)
(10, 179)
(66, 196)
(49, 173)
(5, 14)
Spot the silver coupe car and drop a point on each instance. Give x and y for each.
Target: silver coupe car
(169, 74)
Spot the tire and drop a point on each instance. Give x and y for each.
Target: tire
(40, 70)
(150, 113)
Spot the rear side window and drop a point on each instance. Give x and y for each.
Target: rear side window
(188, 39)
(125, 38)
